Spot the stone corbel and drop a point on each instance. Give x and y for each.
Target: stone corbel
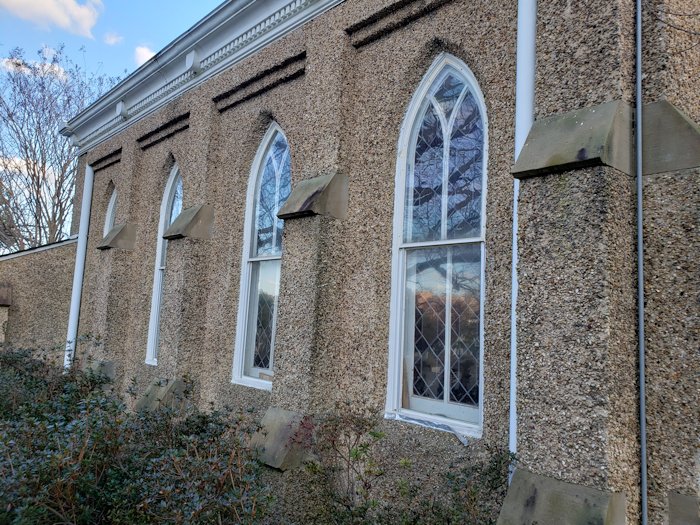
(122, 236)
(324, 195)
(195, 222)
(598, 135)
(533, 498)
(603, 135)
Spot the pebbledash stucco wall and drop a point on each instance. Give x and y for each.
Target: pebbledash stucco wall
(343, 114)
(41, 281)
(343, 82)
(672, 275)
(578, 400)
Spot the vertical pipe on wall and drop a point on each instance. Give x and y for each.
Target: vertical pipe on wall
(640, 264)
(524, 117)
(79, 267)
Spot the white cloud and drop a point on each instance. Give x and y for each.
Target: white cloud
(67, 14)
(111, 38)
(38, 68)
(142, 54)
(12, 65)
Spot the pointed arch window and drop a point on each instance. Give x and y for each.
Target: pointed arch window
(111, 213)
(436, 338)
(268, 189)
(170, 208)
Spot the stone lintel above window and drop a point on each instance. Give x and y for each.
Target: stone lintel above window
(195, 222)
(122, 236)
(323, 195)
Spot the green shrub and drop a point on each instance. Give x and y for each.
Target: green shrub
(71, 453)
(347, 478)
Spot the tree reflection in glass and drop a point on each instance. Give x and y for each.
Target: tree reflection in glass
(442, 246)
(443, 197)
(272, 189)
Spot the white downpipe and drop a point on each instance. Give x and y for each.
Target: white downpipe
(524, 117)
(79, 268)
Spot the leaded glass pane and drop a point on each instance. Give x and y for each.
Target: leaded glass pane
(266, 209)
(176, 202)
(465, 172)
(425, 303)
(448, 92)
(262, 308)
(274, 187)
(111, 213)
(285, 188)
(464, 323)
(423, 215)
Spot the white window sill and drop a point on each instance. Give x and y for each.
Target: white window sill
(460, 429)
(252, 382)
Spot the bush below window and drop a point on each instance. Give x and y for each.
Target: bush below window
(71, 453)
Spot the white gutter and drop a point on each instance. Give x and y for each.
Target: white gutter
(524, 117)
(79, 268)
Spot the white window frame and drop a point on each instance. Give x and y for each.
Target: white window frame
(111, 214)
(409, 128)
(159, 270)
(244, 315)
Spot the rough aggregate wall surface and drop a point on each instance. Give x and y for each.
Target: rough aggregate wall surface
(672, 289)
(671, 54)
(344, 113)
(672, 329)
(41, 289)
(356, 275)
(585, 54)
(577, 406)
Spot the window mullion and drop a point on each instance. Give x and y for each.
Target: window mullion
(278, 176)
(448, 326)
(445, 172)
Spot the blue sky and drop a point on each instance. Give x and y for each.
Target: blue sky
(102, 36)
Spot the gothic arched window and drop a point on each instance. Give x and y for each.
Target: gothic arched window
(269, 187)
(436, 345)
(111, 213)
(170, 208)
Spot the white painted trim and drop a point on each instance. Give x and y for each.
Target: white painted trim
(159, 270)
(238, 375)
(80, 254)
(393, 408)
(30, 251)
(229, 34)
(111, 213)
(524, 116)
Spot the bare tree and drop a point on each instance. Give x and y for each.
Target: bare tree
(37, 164)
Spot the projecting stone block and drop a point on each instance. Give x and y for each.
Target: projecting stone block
(102, 368)
(324, 195)
(5, 294)
(540, 500)
(671, 139)
(683, 510)
(195, 222)
(593, 136)
(281, 439)
(4, 316)
(162, 393)
(122, 236)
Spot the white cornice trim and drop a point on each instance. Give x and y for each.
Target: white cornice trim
(233, 31)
